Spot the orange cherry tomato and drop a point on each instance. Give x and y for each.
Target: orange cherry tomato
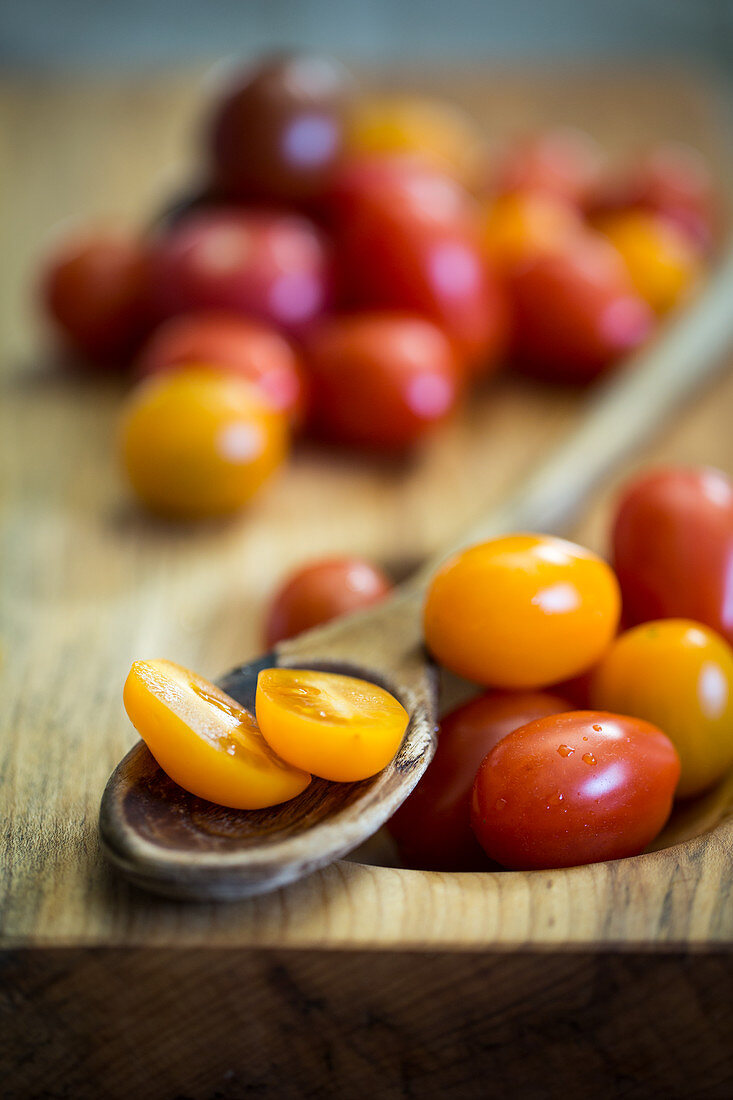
(574, 788)
(432, 827)
(662, 263)
(347, 729)
(522, 611)
(563, 162)
(323, 591)
(381, 380)
(93, 289)
(519, 225)
(199, 443)
(677, 674)
(438, 132)
(228, 342)
(204, 740)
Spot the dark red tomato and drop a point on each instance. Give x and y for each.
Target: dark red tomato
(432, 827)
(273, 267)
(563, 162)
(380, 380)
(278, 130)
(576, 312)
(321, 592)
(673, 548)
(574, 788)
(92, 287)
(408, 239)
(224, 340)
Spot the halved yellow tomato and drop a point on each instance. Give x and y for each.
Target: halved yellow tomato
(337, 727)
(204, 740)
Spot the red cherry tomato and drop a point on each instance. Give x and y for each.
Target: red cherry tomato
(229, 342)
(408, 239)
(272, 267)
(574, 788)
(673, 548)
(432, 828)
(279, 130)
(380, 380)
(92, 287)
(563, 162)
(323, 591)
(576, 312)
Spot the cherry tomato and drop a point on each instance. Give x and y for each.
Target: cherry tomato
(229, 342)
(562, 162)
(673, 547)
(278, 130)
(662, 263)
(204, 740)
(432, 827)
(199, 443)
(679, 675)
(574, 788)
(347, 729)
(323, 591)
(381, 380)
(438, 132)
(576, 312)
(520, 225)
(92, 287)
(408, 240)
(522, 611)
(271, 267)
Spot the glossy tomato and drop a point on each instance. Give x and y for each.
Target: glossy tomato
(266, 266)
(381, 380)
(408, 239)
(562, 162)
(432, 827)
(520, 225)
(661, 261)
(679, 675)
(576, 311)
(92, 287)
(322, 591)
(278, 131)
(673, 547)
(229, 342)
(574, 788)
(523, 611)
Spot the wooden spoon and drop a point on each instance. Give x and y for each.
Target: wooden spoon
(168, 841)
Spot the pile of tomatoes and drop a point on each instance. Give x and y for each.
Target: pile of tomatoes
(586, 735)
(353, 265)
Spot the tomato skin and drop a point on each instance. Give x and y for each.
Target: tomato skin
(522, 611)
(278, 132)
(576, 312)
(229, 342)
(269, 267)
(574, 788)
(679, 675)
(673, 547)
(432, 827)
(662, 263)
(519, 225)
(92, 287)
(408, 239)
(561, 162)
(322, 591)
(381, 380)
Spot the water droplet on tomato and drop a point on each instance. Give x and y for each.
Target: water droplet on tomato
(565, 750)
(589, 758)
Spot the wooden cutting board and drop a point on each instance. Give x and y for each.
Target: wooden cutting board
(89, 584)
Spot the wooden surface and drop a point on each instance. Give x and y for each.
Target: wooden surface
(88, 584)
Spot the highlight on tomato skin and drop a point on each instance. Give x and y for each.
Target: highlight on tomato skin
(204, 740)
(575, 788)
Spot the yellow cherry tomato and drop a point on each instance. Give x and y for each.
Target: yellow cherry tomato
(199, 442)
(335, 726)
(522, 611)
(520, 225)
(204, 740)
(437, 131)
(678, 675)
(662, 262)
